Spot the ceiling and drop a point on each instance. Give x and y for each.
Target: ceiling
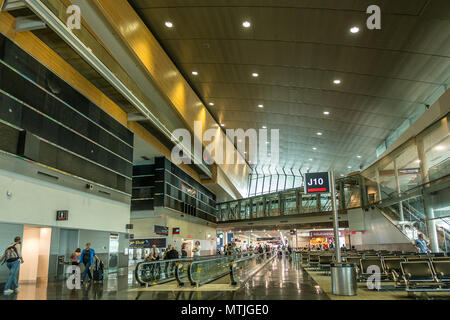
(299, 48)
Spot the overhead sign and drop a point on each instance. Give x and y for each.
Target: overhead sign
(175, 230)
(317, 182)
(293, 232)
(62, 215)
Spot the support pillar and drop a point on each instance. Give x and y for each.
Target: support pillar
(427, 202)
(399, 193)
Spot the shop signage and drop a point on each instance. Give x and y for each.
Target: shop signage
(62, 215)
(161, 230)
(293, 232)
(325, 234)
(175, 230)
(317, 182)
(269, 239)
(147, 243)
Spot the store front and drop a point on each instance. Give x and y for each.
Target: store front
(323, 238)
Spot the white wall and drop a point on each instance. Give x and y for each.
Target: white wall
(380, 234)
(35, 202)
(190, 228)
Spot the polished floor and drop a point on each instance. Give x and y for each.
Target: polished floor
(278, 280)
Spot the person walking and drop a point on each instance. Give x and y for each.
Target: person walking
(13, 258)
(183, 251)
(87, 258)
(197, 249)
(75, 256)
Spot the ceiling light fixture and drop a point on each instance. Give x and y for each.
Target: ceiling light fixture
(337, 81)
(255, 75)
(168, 24)
(359, 157)
(222, 125)
(349, 167)
(326, 113)
(246, 24)
(260, 106)
(314, 148)
(319, 133)
(264, 127)
(211, 103)
(195, 73)
(354, 29)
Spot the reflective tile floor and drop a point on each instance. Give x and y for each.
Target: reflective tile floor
(278, 280)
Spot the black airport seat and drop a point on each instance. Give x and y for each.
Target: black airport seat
(325, 261)
(417, 271)
(442, 270)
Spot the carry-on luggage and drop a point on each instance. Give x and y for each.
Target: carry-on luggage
(98, 270)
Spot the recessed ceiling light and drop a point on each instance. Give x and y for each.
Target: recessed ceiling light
(222, 125)
(246, 24)
(211, 103)
(359, 157)
(314, 148)
(169, 24)
(342, 175)
(326, 113)
(337, 81)
(349, 167)
(439, 148)
(319, 133)
(354, 29)
(264, 127)
(240, 140)
(260, 106)
(310, 159)
(267, 142)
(255, 75)
(195, 73)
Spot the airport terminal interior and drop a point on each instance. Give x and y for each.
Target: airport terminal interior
(224, 150)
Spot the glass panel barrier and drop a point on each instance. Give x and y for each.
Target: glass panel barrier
(157, 272)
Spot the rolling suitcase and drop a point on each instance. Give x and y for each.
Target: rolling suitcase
(98, 271)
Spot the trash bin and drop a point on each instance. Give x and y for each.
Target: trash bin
(343, 279)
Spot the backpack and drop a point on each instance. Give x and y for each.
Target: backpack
(10, 254)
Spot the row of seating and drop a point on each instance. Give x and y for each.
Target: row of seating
(407, 270)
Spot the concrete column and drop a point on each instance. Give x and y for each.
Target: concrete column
(399, 193)
(427, 202)
(319, 202)
(380, 197)
(342, 195)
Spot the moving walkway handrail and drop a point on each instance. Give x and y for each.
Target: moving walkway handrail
(154, 269)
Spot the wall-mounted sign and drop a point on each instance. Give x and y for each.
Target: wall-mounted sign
(317, 182)
(62, 215)
(147, 243)
(175, 230)
(161, 230)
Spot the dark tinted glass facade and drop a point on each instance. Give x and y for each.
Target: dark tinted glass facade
(165, 185)
(73, 134)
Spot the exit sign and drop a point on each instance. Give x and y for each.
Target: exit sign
(317, 182)
(62, 215)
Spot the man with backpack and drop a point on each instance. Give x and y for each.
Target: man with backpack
(13, 258)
